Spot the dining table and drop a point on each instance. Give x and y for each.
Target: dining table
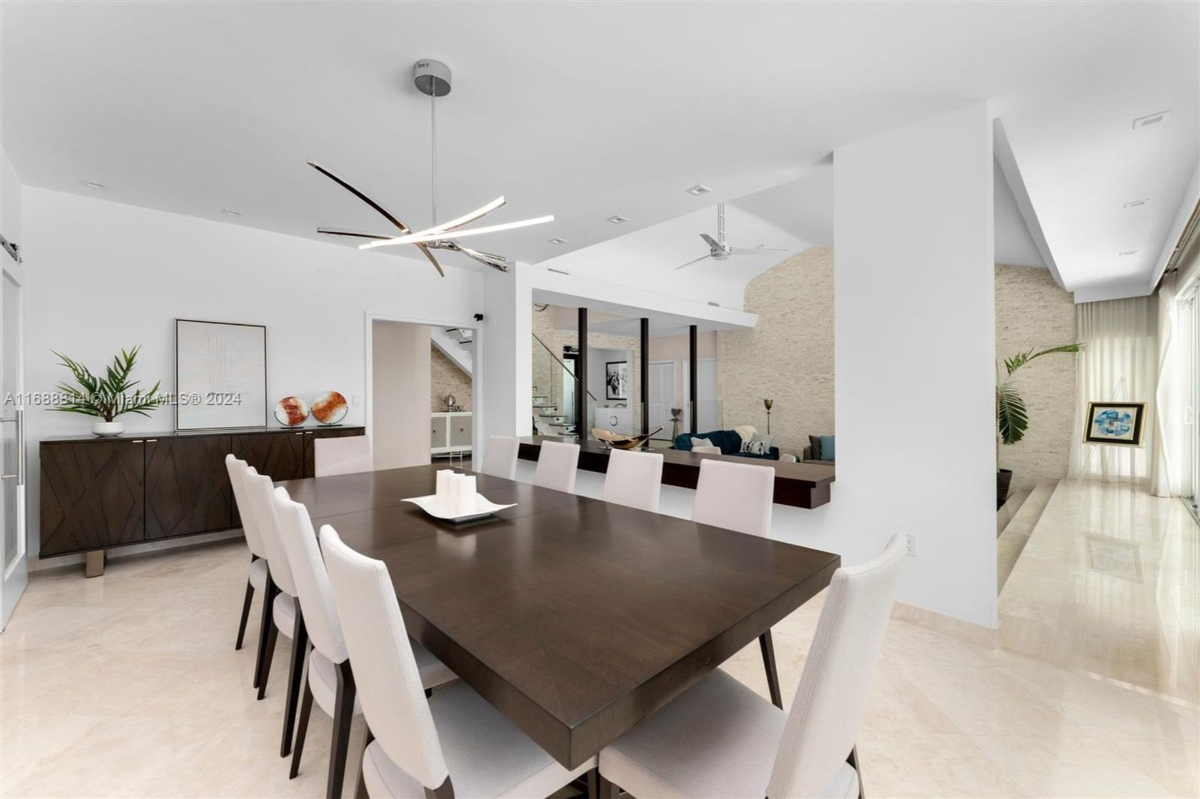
(575, 618)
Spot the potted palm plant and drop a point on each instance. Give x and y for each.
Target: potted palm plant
(106, 397)
(1012, 417)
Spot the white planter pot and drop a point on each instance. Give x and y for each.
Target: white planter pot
(108, 428)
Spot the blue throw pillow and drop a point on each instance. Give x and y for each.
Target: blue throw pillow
(827, 448)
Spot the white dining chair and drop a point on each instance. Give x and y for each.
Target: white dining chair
(345, 455)
(281, 613)
(500, 457)
(719, 738)
(330, 680)
(256, 579)
(451, 744)
(633, 479)
(556, 466)
(738, 496)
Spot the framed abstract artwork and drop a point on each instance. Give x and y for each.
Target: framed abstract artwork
(1115, 423)
(616, 380)
(220, 375)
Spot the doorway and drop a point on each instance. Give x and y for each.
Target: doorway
(15, 573)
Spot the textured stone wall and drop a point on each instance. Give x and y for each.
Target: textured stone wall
(788, 356)
(1033, 312)
(447, 378)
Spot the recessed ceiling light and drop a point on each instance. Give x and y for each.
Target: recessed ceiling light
(698, 189)
(1129, 252)
(617, 219)
(1136, 203)
(230, 212)
(93, 184)
(557, 240)
(1151, 119)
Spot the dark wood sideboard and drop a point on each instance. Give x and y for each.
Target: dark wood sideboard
(101, 493)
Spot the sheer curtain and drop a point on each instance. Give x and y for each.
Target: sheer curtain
(1118, 364)
(1167, 466)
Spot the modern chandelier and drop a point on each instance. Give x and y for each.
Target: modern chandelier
(432, 78)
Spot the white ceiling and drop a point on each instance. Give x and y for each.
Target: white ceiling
(588, 110)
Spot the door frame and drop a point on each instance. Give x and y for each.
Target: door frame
(15, 577)
(477, 371)
(674, 392)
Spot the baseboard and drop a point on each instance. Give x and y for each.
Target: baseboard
(945, 625)
(39, 564)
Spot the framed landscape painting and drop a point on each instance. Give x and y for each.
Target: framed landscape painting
(1115, 423)
(220, 375)
(616, 380)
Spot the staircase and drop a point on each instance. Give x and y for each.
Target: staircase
(1014, 524)
(549, 418)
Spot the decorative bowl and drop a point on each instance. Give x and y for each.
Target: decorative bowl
(620, 440)
(434, 507)
(330, 408)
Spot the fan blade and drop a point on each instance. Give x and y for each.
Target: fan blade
(337, 231)
(405, 229)
(755, 250)
(712, 243)
(467, 219)
(694, 261)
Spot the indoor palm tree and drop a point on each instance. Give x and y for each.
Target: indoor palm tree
(106, 397)
(1012, 417)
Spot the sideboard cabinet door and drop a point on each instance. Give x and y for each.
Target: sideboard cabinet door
(187, 485)
(92, 495)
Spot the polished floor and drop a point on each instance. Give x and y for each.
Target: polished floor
(128, 684)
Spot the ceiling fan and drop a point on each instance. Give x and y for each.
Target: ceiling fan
(717, 248)
(431, 78)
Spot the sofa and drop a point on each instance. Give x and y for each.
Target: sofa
(729, 442)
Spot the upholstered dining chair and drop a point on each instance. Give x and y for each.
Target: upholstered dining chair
(556, 466)
(500, 457)
(634, 479)
(281, 612)
(719, 738)
(256, 580)
(738, 496)
(451, 744)
(346, 455)
(330, 679)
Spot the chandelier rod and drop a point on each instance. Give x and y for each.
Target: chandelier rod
(433, 151)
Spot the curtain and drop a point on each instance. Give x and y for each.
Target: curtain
(1166, 470)
(1118, 364)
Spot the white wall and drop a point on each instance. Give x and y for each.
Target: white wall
(105, 276)
(400, 379)
(914, 291)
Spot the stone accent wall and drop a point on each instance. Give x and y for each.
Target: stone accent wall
(1033, 312)
(788, 356)
(447, 378)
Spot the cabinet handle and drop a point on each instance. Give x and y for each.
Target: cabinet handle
(151, 440)
(309, 433)
(137, 441)
(299, 434)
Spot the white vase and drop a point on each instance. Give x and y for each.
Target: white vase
(108, 428)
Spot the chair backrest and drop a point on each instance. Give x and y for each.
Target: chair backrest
(824, 721)
(634, 479)
(556, 466)
(259, 490)
(308, 572)
(385, 671)
(346, 455)
(735, 496)
(237, 478)
(500, 457)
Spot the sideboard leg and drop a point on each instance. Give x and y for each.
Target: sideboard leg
(94, 563)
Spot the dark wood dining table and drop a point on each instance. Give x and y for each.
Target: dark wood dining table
(575, 618)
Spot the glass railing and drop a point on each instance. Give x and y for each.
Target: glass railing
(554, 387)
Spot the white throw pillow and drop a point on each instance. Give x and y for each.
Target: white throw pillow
(758, 445)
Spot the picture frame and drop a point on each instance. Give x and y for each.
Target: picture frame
(220, 375)
(616, 380)
(1119, 423)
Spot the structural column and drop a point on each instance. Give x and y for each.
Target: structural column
(694, 375)
(914, 361)
(581, 366)
(645, 375)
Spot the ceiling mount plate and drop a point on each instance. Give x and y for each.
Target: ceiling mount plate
(431, 77)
